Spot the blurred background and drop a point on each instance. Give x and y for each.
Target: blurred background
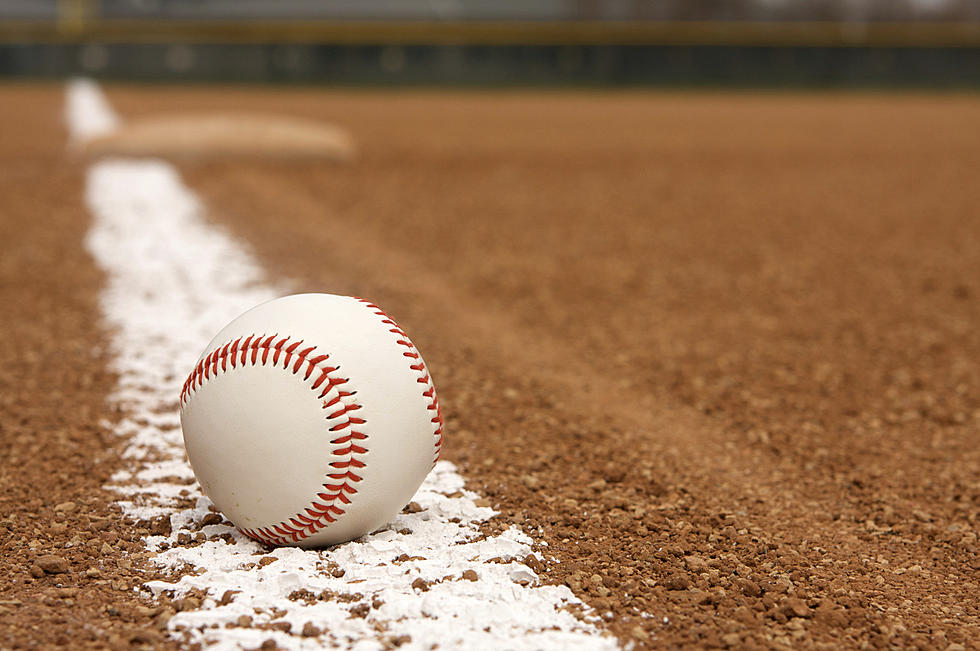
(800, 43)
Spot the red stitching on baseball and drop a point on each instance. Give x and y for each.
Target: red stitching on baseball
(412, 353)
(321, 511)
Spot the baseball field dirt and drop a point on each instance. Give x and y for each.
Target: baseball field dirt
(720, 352)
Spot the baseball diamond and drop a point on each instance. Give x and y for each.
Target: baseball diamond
(708, 369)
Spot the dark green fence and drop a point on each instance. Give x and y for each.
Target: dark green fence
(597, 53)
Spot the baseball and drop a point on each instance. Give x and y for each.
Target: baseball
(310, 420)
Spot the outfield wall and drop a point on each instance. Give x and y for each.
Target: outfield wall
(607, 53)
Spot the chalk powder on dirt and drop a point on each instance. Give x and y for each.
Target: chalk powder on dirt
(173, 281)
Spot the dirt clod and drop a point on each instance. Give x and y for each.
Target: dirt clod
(795, 607)
(677, 582)
(52, 564)
(309, 630)
(749, 588)
(227, 597)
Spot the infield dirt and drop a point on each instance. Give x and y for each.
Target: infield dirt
(721, 352)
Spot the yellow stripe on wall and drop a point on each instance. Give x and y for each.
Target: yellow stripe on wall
(817, 34)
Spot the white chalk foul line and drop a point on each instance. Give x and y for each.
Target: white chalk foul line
(173, 281)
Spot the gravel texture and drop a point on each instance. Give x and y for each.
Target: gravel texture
(71, 568)
(720, 352)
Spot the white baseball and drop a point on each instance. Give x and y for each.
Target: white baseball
(311, 420)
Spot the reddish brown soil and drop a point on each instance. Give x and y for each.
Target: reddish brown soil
(63, 581)
(721, 352)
